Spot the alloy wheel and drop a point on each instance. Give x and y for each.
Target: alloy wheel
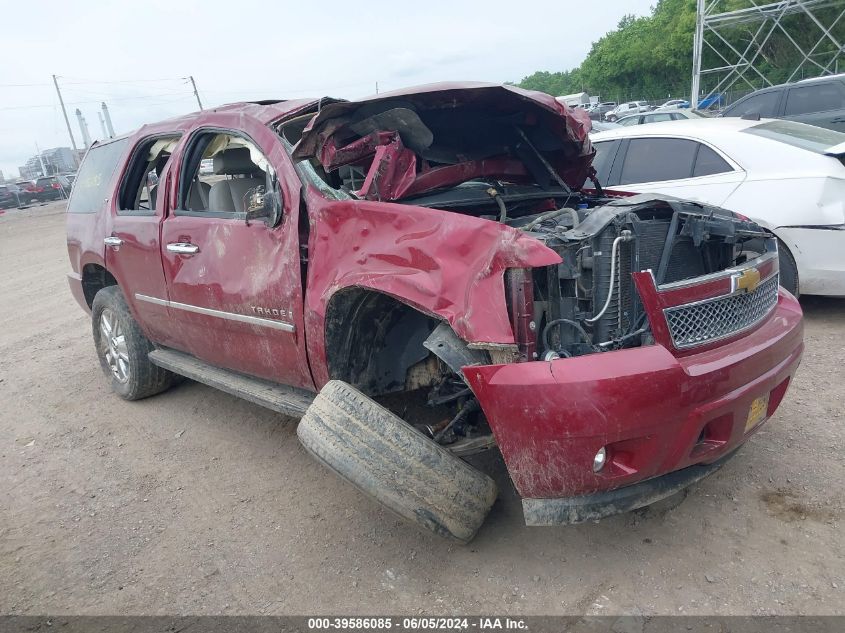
(113, 342)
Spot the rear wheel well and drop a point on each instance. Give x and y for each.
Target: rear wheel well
(94, 279)
(373, 339)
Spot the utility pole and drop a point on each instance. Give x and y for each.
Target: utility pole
(376, 87)
(196, 93)
(67, 122)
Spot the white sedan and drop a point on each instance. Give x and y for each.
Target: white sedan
(786, 176)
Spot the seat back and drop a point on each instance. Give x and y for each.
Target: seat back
(228, 195)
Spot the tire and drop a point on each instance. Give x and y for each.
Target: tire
(123, 358)
(392, 462)
(788, 270)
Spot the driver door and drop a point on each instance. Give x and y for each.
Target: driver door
(235, 288)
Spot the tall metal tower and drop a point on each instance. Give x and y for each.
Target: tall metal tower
(765, 43)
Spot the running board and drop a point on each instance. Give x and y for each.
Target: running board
(287, 400)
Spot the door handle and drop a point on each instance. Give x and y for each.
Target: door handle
(113, 242)
(839, 119)
(183, 248)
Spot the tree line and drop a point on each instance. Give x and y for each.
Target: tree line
(650, 57)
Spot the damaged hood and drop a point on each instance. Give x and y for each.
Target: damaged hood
(416, 140)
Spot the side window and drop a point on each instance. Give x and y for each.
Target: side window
(139, 188)
(663, 116)
(220, 173)
(91, 186)
(762, 104)
(815, 98)
(709, 162)
(657, 159)
(629, 120)
(605, 151)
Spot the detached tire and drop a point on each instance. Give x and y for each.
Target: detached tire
(122, 348)
(788, 270)
(392, 462)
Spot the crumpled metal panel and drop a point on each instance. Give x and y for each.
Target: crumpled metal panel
(570, 126)
(444, 264)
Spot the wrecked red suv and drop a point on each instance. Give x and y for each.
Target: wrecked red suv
(422, 275)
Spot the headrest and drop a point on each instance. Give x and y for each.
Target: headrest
(234, 162)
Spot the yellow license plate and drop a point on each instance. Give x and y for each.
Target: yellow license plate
(757, 412)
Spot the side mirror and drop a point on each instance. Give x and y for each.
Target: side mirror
(263, 205)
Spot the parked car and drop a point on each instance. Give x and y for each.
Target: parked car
(598, 111)
(674, 104)
(26, 190)
(603, 126)
(352, 256)
(9, 197)
(51, 188)
(657, 116)
(624, 109)
(819, 101)
(786, 176)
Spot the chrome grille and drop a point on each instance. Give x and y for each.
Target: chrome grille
(713, 319)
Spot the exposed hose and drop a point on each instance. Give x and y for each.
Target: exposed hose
(625, 236)
(503, 210)
(573, 324)
(548, 215)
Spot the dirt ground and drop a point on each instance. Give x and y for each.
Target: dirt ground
(197, 502)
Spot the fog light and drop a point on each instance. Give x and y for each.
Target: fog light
(599, 460)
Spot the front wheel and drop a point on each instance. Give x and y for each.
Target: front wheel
(392, 462)
(122, 348)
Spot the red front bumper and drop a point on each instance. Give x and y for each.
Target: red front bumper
(654, 412)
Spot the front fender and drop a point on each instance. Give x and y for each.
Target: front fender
(442, 263)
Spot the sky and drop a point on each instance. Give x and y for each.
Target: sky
(136, 56)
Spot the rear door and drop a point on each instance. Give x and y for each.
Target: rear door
(132, 243)
(817, 103)
(235, 288)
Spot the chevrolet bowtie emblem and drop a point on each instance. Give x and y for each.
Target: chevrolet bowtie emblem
(747, 280)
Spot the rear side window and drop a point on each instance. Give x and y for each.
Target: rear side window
(762, 104)
(815, 98)
(605, 151)
(709, 162)
(91, 187)
(139, 189)
(657, 159)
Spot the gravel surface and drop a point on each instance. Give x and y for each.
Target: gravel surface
(197, 502)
